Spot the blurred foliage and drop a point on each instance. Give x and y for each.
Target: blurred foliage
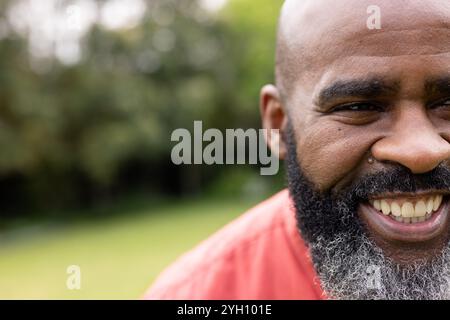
(74, 135)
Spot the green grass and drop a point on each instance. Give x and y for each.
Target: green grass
(119, 256)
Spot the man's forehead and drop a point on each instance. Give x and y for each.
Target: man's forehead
(320, 32)
(303, 17)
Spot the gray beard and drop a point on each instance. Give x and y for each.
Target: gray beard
(367, 274)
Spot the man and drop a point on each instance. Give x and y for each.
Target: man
(364, 116)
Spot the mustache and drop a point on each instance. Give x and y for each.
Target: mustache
(398, 179)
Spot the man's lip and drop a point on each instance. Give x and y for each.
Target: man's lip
(411, 195)
(392, 230)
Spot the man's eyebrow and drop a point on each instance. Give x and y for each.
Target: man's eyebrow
(439, 86)
(362, 88)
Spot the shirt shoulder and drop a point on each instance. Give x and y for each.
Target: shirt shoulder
(260, 255)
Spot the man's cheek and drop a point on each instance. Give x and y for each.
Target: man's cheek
(332, 156)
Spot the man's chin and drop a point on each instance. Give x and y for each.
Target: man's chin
(407, 241)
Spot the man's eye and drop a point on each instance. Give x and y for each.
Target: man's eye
(358, 107)
(441, 104)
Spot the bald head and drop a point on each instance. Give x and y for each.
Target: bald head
(315, 33)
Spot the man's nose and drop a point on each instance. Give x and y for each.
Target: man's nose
(413, 142)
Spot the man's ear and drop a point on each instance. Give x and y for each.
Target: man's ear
(273, 116)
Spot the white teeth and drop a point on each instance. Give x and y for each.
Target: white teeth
(396, 210)
(409, 212)
(430, 205)
(420, 209)
(437, 202)
(385, 207)
(377, 205)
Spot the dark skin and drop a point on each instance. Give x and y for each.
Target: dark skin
(351, 92)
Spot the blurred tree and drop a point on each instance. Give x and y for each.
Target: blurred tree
(73, 133)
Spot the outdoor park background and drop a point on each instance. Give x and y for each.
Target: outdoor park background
(90, 92)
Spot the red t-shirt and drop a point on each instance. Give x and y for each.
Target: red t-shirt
(260, 255)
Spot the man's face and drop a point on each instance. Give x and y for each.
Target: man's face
(367, 123)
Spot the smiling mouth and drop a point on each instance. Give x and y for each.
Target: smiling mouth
(409, 210)
(407, 217)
